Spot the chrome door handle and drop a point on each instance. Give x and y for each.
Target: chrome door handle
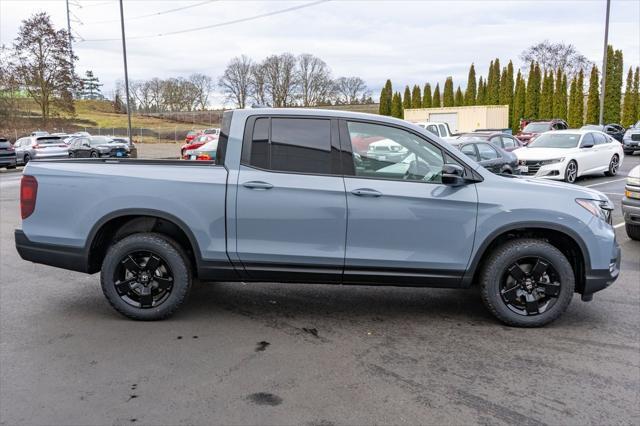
(366, 192)
(254, 184)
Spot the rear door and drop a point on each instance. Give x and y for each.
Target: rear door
(588, 160)
(291, 206)
(606, 149)
(404, 225)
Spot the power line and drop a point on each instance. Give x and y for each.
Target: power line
(220, 24)
(148, 15)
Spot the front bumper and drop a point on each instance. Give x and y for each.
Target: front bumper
(7, 161)
(631, 210)
(554, 171)
(630, 145)
(599, 279)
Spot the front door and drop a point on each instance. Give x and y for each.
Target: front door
(404, 225)
(291, 207)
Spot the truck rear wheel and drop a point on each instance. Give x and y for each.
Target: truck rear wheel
(146, 276)
(633, 231)
(527, 283)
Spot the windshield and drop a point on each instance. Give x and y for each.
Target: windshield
(209, 146)
(100, 140)
(536, 127)
(591, 127)
(556, 140)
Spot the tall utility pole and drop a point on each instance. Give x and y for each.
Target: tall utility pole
(604, 64)
(126, 73)
(69, 31)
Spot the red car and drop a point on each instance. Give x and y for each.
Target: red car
(196, 142)
(533, 129)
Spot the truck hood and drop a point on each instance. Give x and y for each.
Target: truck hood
(572, 190)
(541, 153)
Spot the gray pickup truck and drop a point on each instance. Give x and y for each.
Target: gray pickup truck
(295, 197)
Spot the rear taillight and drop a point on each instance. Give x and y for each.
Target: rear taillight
(37, 147)
(28, 194)
(205, 157)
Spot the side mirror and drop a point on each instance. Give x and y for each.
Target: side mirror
(453, 175)
(588, 145)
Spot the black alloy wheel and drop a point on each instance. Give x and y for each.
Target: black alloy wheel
(530, 286)
(143, 279)
(94, 154)
(614, 165)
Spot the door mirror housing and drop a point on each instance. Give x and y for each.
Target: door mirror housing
(453, 175)
(588, 145)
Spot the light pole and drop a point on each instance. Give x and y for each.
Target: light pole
(604, 64)
(126, 74)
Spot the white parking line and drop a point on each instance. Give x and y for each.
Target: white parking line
(604, 183)
(618, 225)
(613, 193)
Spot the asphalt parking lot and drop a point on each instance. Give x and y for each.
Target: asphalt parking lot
(310, 354)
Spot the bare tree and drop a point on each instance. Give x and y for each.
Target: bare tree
(9, 87)
(203, 85)
(314, 80)
(42, 64)
(554, 56)
(236, 82)
(258, 92)
(351, 90)
(280, 79)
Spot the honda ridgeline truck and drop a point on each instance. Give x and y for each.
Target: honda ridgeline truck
(290, 200)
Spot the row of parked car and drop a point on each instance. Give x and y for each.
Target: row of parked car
(200, 145)
(547, 149)
(41, 144)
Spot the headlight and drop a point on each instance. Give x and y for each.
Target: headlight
(598, 208)
(632, 194)
(633, 181)
(552, 161)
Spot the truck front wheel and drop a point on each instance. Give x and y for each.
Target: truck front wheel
(146, 276)
(527, 283)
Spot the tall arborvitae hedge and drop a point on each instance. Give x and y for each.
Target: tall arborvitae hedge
(533, 92)
(435, 103)
(519, 98)
(416, 97)
(593, 99)
(458, 100)
(427, 100)
(406, 100)
(629, 112)
(396, 106)
(613, 86)
(385, 99)
(470, 92)
(447, 94)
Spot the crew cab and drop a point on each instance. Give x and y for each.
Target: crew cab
(437, 128)
(287, 200)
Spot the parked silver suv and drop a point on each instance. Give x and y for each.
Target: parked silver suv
(32, 147)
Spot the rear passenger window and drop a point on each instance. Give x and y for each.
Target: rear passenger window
(508, 142)
(599, 138)
(443, 130)
(433, 129)
(470, 151)
(300, 145)
(487, 152)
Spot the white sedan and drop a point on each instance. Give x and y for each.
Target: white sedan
(568, 154)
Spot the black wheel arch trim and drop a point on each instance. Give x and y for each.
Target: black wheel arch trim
(472, 269)
(207, 269)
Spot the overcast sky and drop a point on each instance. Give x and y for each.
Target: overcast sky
(407, 41)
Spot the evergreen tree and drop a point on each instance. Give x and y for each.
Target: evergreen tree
(416, 97)
(470, 93)
(613, 86)
(546, 96)
(488, 85)
(518, 103)
(406, 101)
(459, 98)
(636, 92)
(90, 86)
(427, 101)
(447, 94)
(629, 107)
(506, 87)
(593, 100)
(493, 83)
(435, 103)
(480, 98)
(396, 106)
(385, 99)
(557, 95)
(576, 102)
(562, 112)
(533, 92)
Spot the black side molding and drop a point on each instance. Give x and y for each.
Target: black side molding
(66, 257)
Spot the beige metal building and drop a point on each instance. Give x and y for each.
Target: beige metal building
(463, 118)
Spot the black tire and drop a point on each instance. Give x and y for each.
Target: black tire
(571, 172)
(71, 155)
(26, 159)
(11, 167)
(94, 154)
(171, 259)
(633, 231)
(497, 272)
(614, 164)
(628, 152)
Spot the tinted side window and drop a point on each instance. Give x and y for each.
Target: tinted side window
(486, 152)
(301, 145)
(260, 144)
(433, 129)
(443, 130)
(600, 138)
(290, 145)
(587, 140)
(470, 151)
